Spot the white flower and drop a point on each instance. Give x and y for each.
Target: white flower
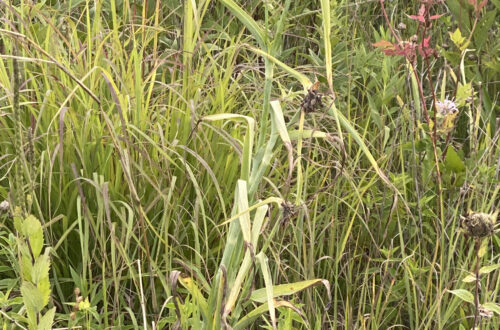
(4, 206)
(447, 107)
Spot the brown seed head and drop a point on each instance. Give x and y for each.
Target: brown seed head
(478, 225)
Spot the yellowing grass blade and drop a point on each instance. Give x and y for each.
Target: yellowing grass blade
(261, 295)
(269, 286)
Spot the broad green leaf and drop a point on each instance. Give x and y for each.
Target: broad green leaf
(288, 289)
(26, 266)
(31, 225)
(463, 92)
(453, 161)
(47, 320)
(44, 288)
(36, 242)
(32, 297)
(463, 294)
(488, 269)
(40, 269)
(492, 307)
(32, 229)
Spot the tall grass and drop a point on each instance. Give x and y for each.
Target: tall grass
(163, 147)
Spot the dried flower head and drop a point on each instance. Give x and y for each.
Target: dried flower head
(447, 107)
(478, 225)
(4, 206)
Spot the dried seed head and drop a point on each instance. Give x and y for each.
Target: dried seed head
(72, 316)
(77, 292)
(313, 99)
(478, 225)
(402, 26)
(484, 312)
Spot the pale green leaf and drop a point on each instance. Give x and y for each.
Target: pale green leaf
(469, 278)
(32, 297)
(463, 294)
(40, 269)
(31, 225)
(287, 289)
(44, 288)
(47, 320)
(488, 269)
(453, 161)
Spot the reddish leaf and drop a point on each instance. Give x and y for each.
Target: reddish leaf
(482, 4)
(417, 18)
(424, 48)
(425, 42)
(435, 16)
(383, 44)
(421, 11)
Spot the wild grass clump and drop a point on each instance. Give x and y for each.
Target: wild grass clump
(244, 164)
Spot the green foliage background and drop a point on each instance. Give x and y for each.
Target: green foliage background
(124, 150)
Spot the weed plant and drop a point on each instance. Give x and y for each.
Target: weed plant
(242, 164)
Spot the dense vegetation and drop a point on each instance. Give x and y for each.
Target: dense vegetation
(245, 163)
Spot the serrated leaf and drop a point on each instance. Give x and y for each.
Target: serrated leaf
(36, 242)
(44, 288)
(26, 266)
(492, 307)
(30, 226)
(463, 294)
(32, 297)
(40, 269)
(47, 320)
(32, 229)
(458, 39)
(488, 269)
